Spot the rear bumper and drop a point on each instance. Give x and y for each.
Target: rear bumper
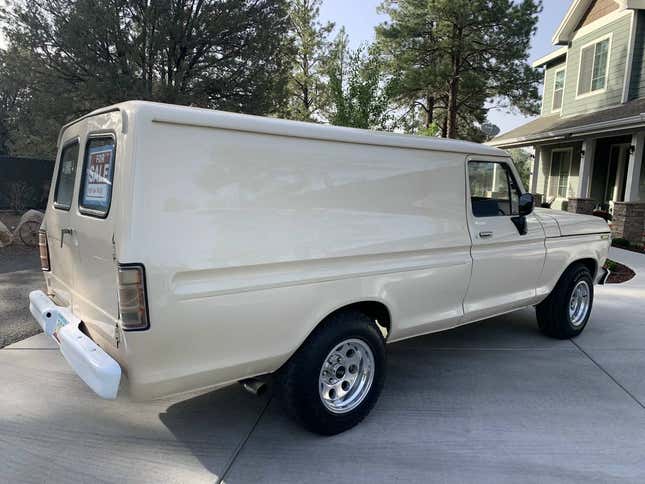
(95, 367)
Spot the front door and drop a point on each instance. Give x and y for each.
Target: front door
(507, 261)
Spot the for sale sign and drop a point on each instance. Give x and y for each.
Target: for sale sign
(98, 177)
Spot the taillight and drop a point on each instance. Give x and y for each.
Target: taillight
(43, 249)
(133, 307)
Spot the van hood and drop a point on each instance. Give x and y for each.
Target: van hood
(573, 223)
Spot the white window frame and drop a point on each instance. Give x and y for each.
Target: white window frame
(555, 78)
(568, 150)
(609, 37)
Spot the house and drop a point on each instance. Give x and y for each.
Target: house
(590, 136)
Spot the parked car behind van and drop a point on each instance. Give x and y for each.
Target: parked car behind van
(189, 249)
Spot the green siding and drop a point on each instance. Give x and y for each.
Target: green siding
(637, 82)
(612, 96)
(549, 79)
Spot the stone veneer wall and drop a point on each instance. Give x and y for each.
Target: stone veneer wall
(581, 205)
(629, 221)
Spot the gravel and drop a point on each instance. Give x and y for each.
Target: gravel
(19, 274)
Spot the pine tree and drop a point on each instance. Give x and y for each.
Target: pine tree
(452, 56)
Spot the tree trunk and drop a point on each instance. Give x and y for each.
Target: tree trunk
(453, 91)
(429, 111)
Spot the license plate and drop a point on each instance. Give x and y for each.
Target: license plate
(60, 322)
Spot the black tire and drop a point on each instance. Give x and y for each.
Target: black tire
(297, 382)
(553, 313)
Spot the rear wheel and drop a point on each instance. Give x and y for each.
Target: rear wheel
(564, 314)
(333, 381)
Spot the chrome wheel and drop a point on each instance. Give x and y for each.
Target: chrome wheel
(579, 303)
(346, 376)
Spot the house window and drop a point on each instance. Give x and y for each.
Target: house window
(558, 90)
(559, 175)
(594, 61)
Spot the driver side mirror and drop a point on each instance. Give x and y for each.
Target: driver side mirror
(526, 204)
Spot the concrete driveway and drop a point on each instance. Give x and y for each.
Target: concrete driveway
(492, 402)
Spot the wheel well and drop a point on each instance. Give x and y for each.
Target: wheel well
(590, 264)
(374, 310)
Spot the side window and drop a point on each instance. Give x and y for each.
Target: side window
(98, 172)
(66, 176)
(493, 189)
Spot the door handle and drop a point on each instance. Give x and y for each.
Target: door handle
(486, 234)
(62, 235)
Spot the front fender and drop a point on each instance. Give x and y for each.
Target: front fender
(561, 252)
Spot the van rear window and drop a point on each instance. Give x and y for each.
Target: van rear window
(98, 173)
(66, 176)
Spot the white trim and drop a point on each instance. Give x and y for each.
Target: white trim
(634, 168)
(630, 57)
(564, 82)
(575, 6)
(543, 93)
(568, 149)
(595, 42)
(565, 32)
(601, 22)
(549, 57)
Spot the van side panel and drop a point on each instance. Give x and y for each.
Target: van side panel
(249, 240)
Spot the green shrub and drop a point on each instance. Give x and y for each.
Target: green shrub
(611, 265)
(620, 242)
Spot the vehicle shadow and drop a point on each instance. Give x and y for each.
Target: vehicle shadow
(214, 425)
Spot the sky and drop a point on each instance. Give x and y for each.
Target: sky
(359, 18)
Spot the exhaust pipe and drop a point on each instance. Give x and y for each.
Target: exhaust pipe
(254, 386)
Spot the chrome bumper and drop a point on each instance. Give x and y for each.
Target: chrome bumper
(95, 367)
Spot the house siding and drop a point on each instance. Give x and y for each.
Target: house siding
(612, 96)
(637, 81)
(547, 94)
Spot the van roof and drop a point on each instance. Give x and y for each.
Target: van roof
(210, 118)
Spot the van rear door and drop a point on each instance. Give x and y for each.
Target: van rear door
(63, 251)
(94, 221)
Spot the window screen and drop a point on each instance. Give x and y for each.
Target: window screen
(98, 173)
(558, 90)
(66, 176)
(493, 190)
(593, 67)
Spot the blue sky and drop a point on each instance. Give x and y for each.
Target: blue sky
(359, 18)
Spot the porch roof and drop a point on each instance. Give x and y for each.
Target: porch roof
(546, 128)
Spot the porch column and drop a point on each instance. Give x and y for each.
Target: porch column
(632, 187)
(586, 168)
(535, 171)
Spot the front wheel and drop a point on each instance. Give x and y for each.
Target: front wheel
(332, 382)
(564, 314)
